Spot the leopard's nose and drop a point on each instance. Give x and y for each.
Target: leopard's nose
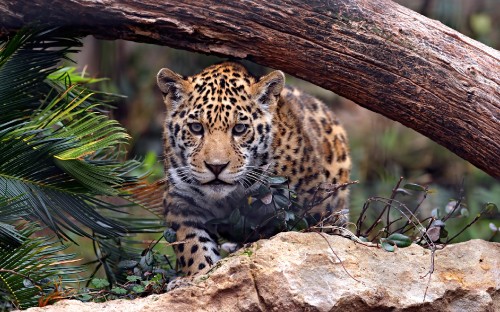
(216, 169)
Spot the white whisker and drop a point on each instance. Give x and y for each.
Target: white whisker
(256, 177)
(184, 174)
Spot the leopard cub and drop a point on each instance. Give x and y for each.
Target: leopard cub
(223, 126)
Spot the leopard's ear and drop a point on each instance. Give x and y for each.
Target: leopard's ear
(268, 89)
(171, 84)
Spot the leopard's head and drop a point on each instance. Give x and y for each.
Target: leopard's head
(218, 127)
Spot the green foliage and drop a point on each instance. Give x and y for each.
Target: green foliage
(61, 158)
(10, 212)
(400, 223)
(59, 151)
(271, 208)
(414, 187)
(99, 283)
(393, 240)
(30, 271)
(142, 278)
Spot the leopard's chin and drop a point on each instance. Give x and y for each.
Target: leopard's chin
(216, 182)
(218, 191)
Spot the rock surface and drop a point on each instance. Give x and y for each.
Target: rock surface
(301, 272)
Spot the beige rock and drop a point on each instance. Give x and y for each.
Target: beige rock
(301, 272)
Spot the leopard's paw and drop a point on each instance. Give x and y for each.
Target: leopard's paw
(230, 247)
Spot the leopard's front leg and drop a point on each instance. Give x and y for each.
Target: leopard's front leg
(196, 248)
(196, 251)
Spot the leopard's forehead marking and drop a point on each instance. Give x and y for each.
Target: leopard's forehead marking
(220, 95)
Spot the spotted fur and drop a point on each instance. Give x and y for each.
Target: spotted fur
(223, 125)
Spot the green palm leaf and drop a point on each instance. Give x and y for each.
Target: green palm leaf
(58, 149)
(10, 212)
(25, 62)
(30, 270)
(61, 157)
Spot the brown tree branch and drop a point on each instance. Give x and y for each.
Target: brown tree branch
(383, 56)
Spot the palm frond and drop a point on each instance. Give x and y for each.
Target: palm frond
(61, 157)
(149, 196)
(27, 272)
(25, 62)
(58, 149)
(10, 212)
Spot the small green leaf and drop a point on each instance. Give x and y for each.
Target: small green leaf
(158, 278)
(170, 235)
(133, 278)
(263, 190)
(85, 297)
(119, 290)
(127, 264)
(400, 240)
(464, 212)
(491, 208)
(450, 206)
(100, 283)
(387, 245)
(281, 201)
(402, 191)
(273, 180)
(146, 262)
(414, 187)
(138, 289)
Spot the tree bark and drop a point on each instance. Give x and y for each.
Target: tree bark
(383, 56)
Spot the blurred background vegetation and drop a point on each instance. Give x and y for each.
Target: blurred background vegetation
(382, 150)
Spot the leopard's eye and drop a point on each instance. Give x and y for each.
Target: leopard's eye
(196, 128)
(239, 129)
